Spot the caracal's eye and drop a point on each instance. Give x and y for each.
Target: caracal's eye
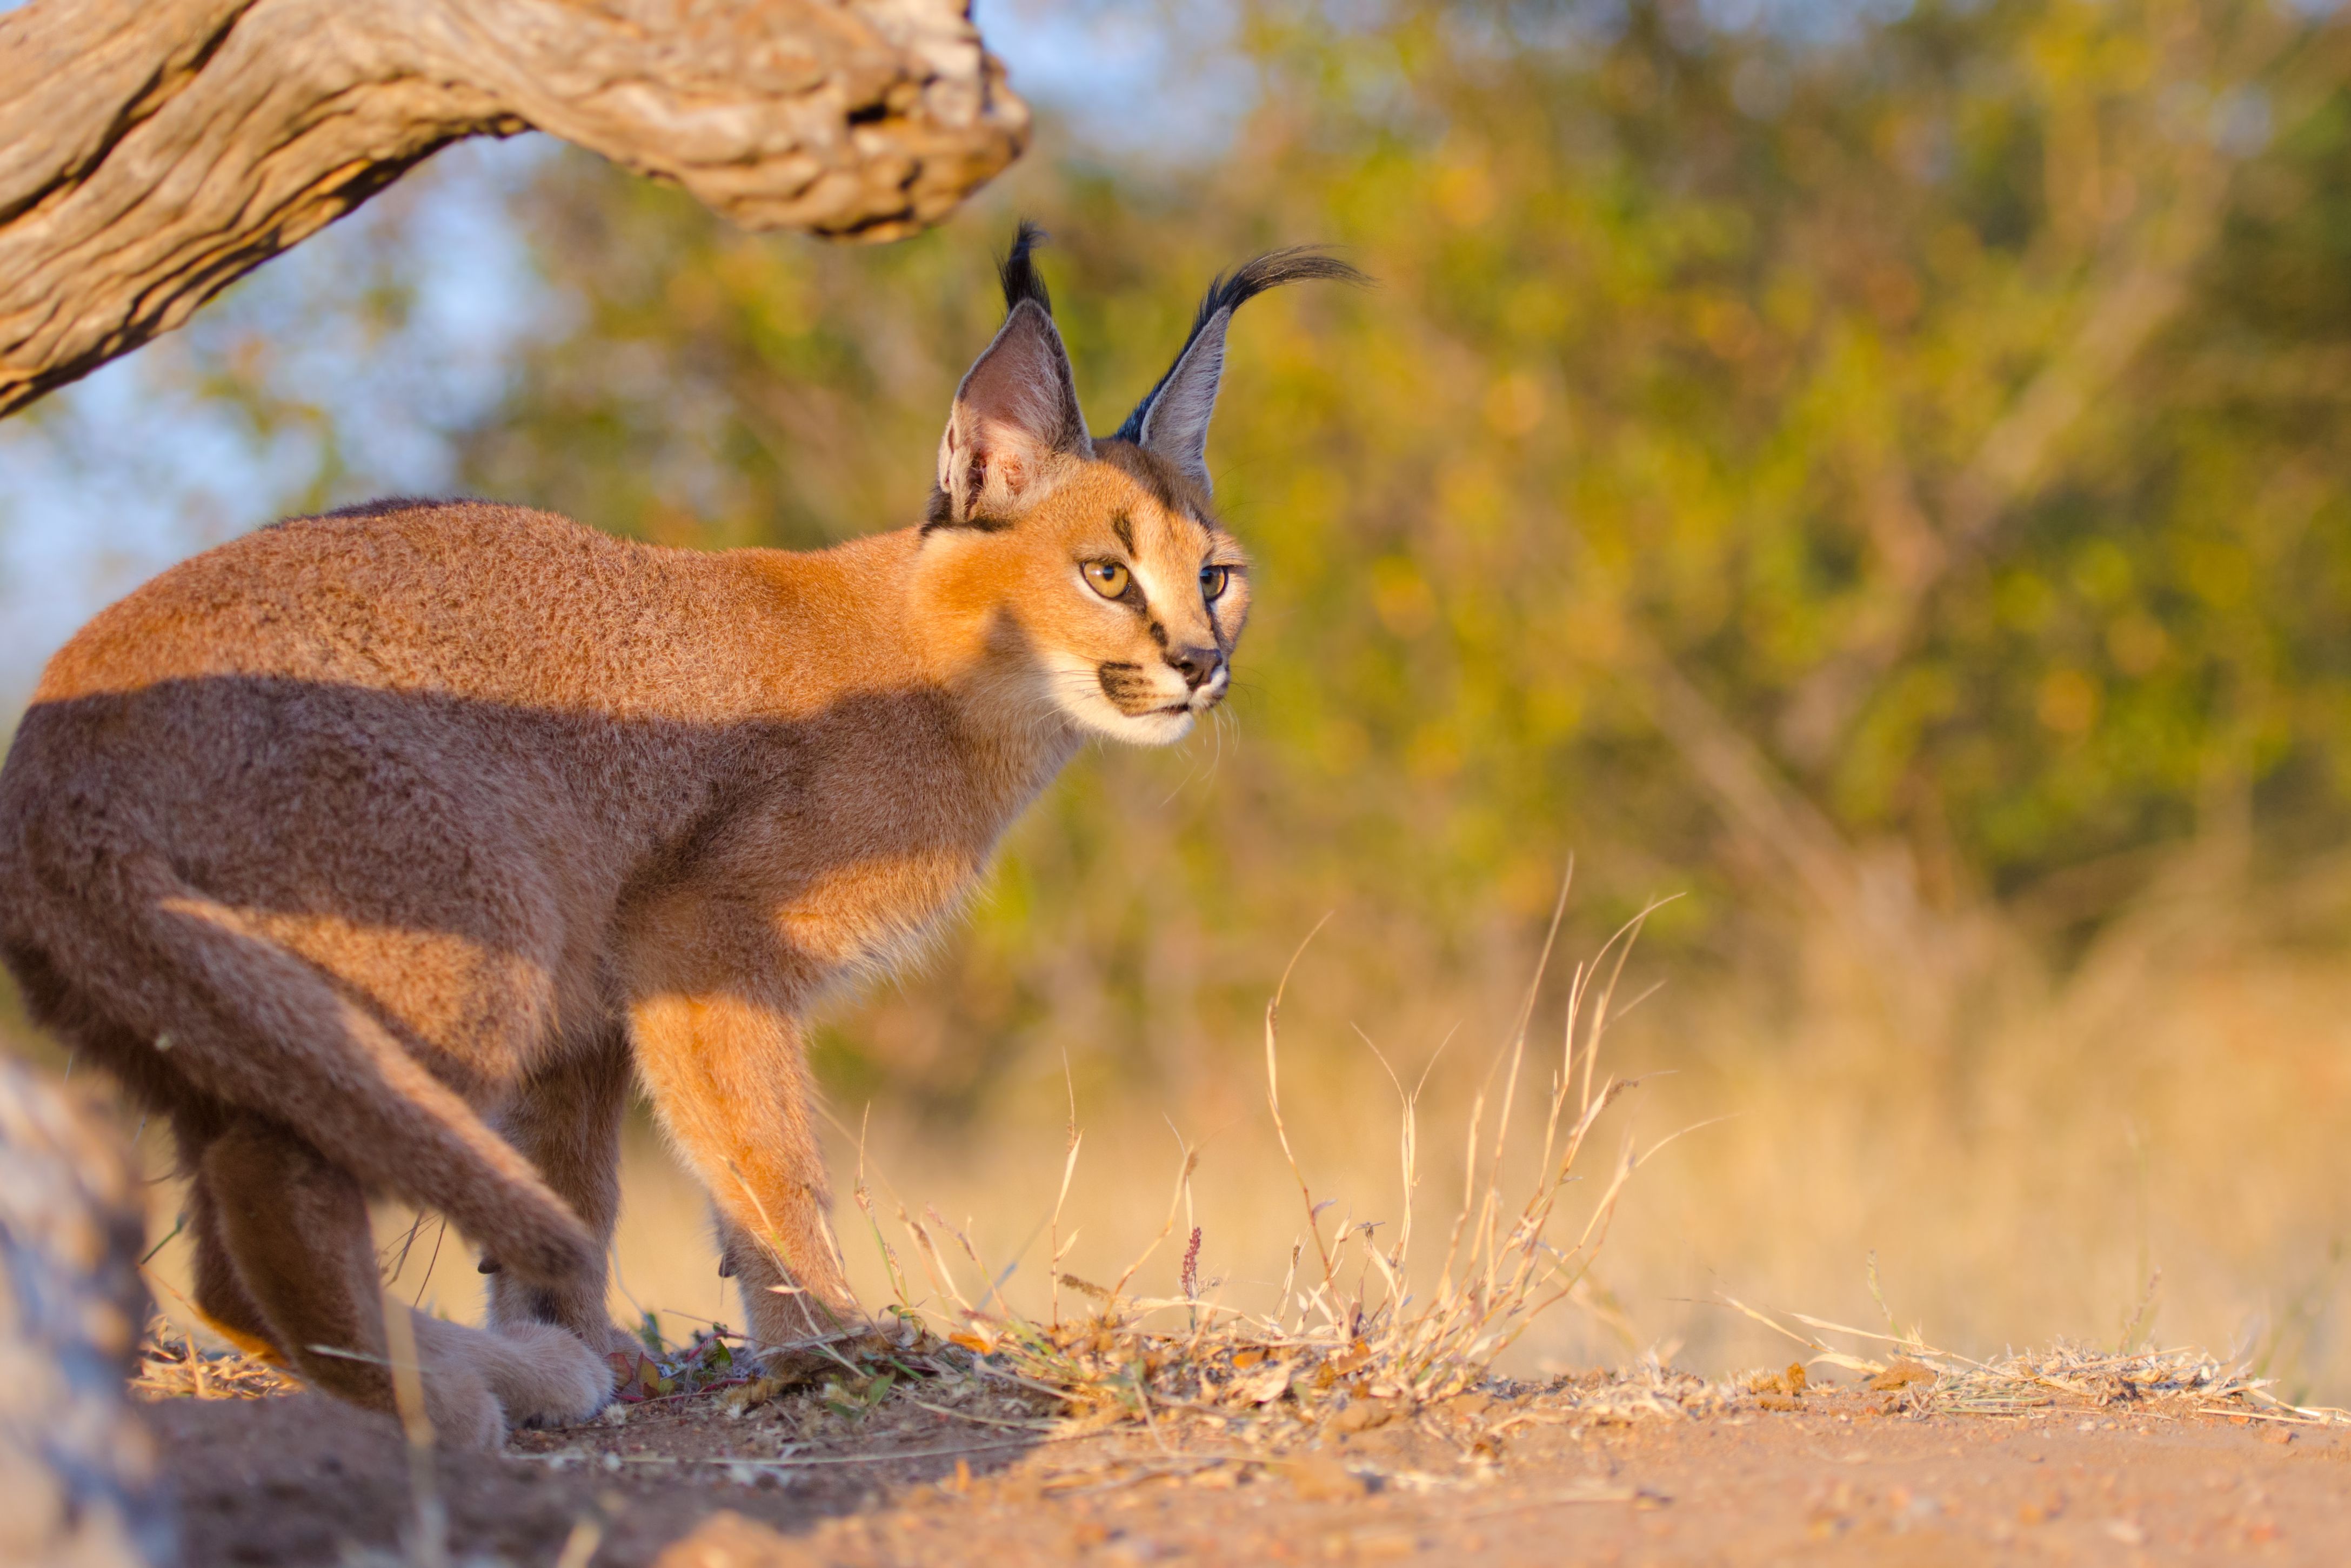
(1108, 577)
(1213, 580)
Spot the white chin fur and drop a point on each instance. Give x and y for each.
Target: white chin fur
(1136, 730)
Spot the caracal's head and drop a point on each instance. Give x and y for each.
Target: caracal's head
(1102, 557)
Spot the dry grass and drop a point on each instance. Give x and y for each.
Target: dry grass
(172, 1366)
(1920, 1377)
(1350, 1344)
(1348, 1340)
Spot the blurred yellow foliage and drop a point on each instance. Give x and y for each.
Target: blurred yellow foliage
(1861, 480)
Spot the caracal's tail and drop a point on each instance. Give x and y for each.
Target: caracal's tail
(254, 1025)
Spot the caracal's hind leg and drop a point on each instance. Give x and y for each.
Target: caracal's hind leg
(728, 1077)
(295, 1228)
(227, 1308)
(566, 1122)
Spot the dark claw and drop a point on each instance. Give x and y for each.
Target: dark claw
(726, 1267)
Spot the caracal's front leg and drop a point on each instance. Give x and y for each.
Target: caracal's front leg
(729, 1078)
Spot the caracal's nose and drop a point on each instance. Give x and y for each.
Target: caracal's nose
(1198, 666)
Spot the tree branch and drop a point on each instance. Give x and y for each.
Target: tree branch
(151, 152)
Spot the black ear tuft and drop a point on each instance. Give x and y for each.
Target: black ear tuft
(1230, 291)
(1018, 274)
(1014, 424)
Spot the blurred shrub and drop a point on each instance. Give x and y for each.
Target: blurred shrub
(1884, 478)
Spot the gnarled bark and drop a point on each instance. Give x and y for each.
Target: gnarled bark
(151, 152)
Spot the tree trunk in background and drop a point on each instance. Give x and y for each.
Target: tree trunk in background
(151, 152)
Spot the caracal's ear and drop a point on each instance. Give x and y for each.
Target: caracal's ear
(1173, 420)
(1015, 428)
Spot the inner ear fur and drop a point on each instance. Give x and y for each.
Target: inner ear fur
(1015, 429)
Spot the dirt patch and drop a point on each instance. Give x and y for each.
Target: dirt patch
(296, 1480)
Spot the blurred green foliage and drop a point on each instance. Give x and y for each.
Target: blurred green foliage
(1861, 477)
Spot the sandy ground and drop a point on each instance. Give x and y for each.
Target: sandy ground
(297, 1481)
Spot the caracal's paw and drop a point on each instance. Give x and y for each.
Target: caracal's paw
(536, 1375)
(464, 1414)
(546, 1376)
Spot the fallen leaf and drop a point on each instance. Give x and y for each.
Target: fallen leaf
(1263, 1386)
(753, 1394)
(1901, 1375)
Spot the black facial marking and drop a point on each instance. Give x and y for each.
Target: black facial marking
(1123, 527)
(1126, 687)
(1159, 635)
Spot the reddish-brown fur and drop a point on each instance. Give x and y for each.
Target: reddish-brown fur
(381, 849)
